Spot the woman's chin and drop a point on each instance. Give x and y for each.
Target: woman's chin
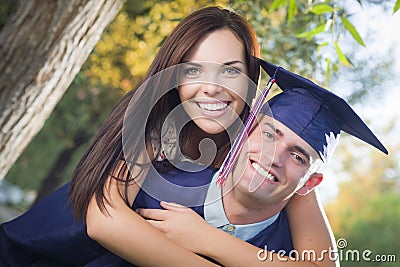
(210, 126)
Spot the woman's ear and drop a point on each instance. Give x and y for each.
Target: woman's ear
(314, 180)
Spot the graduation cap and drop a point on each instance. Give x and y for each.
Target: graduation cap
(314, 113)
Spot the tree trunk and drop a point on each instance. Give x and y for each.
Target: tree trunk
(42, 47)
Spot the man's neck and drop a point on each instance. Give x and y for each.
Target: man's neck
(241, 209)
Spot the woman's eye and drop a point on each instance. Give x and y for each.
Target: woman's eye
(192, 72)
(231, 71)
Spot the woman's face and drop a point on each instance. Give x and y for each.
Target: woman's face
(214, 81)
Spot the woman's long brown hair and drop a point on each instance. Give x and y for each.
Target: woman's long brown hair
(105, 154)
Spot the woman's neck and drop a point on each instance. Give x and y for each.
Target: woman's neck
(205, 148)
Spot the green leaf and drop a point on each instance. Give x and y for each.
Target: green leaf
(292, 10)
(278, 4)
(341, 56)
(350, 27)
(321, 9)
(321, 45)
(310, 34)
(328, 70)
(396, 6)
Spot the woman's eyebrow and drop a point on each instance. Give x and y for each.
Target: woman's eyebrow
(233, 62)
(192, 63)
(199, 63)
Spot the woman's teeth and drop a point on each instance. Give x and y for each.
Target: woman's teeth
(213, 107)
(263, 172)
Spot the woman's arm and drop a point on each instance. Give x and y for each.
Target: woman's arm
(128, 235)
(188, 229)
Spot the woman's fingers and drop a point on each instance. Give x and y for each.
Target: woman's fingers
(160, 214)
(171, 206)
(152, 214)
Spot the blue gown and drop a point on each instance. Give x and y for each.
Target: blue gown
(49, 231)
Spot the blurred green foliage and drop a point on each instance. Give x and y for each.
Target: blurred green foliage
(130, 42)
(366, 212)
(294, 34)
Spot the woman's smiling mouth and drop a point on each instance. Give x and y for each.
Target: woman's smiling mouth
(213, 106)
(214, 109)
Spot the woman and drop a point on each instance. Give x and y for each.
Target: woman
(128, 143)
(96, 196)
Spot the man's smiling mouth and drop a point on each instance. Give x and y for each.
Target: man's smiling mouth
(264, 172)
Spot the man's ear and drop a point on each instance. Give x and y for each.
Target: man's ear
(314, 180)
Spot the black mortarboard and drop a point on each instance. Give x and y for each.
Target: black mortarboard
(314, 113)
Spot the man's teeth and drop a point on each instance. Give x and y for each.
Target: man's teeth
(213, 107)
(263, 172)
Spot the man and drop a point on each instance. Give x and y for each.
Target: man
(296, 135)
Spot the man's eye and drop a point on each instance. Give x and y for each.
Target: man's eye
(299, 159)
(269, 136)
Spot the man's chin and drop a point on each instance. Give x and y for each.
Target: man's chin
(255, 183)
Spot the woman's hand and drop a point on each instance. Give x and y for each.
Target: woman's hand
(180, 224)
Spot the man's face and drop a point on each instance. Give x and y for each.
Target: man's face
(274, 163)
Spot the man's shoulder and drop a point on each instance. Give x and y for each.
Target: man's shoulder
(276, 236)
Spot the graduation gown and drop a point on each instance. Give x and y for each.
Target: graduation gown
(49, 231)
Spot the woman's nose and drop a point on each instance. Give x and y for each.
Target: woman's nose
(211, 88)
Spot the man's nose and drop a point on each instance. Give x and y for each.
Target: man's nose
(279, 155)
(266, 151)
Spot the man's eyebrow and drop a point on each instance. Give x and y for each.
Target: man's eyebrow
(272, 126)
